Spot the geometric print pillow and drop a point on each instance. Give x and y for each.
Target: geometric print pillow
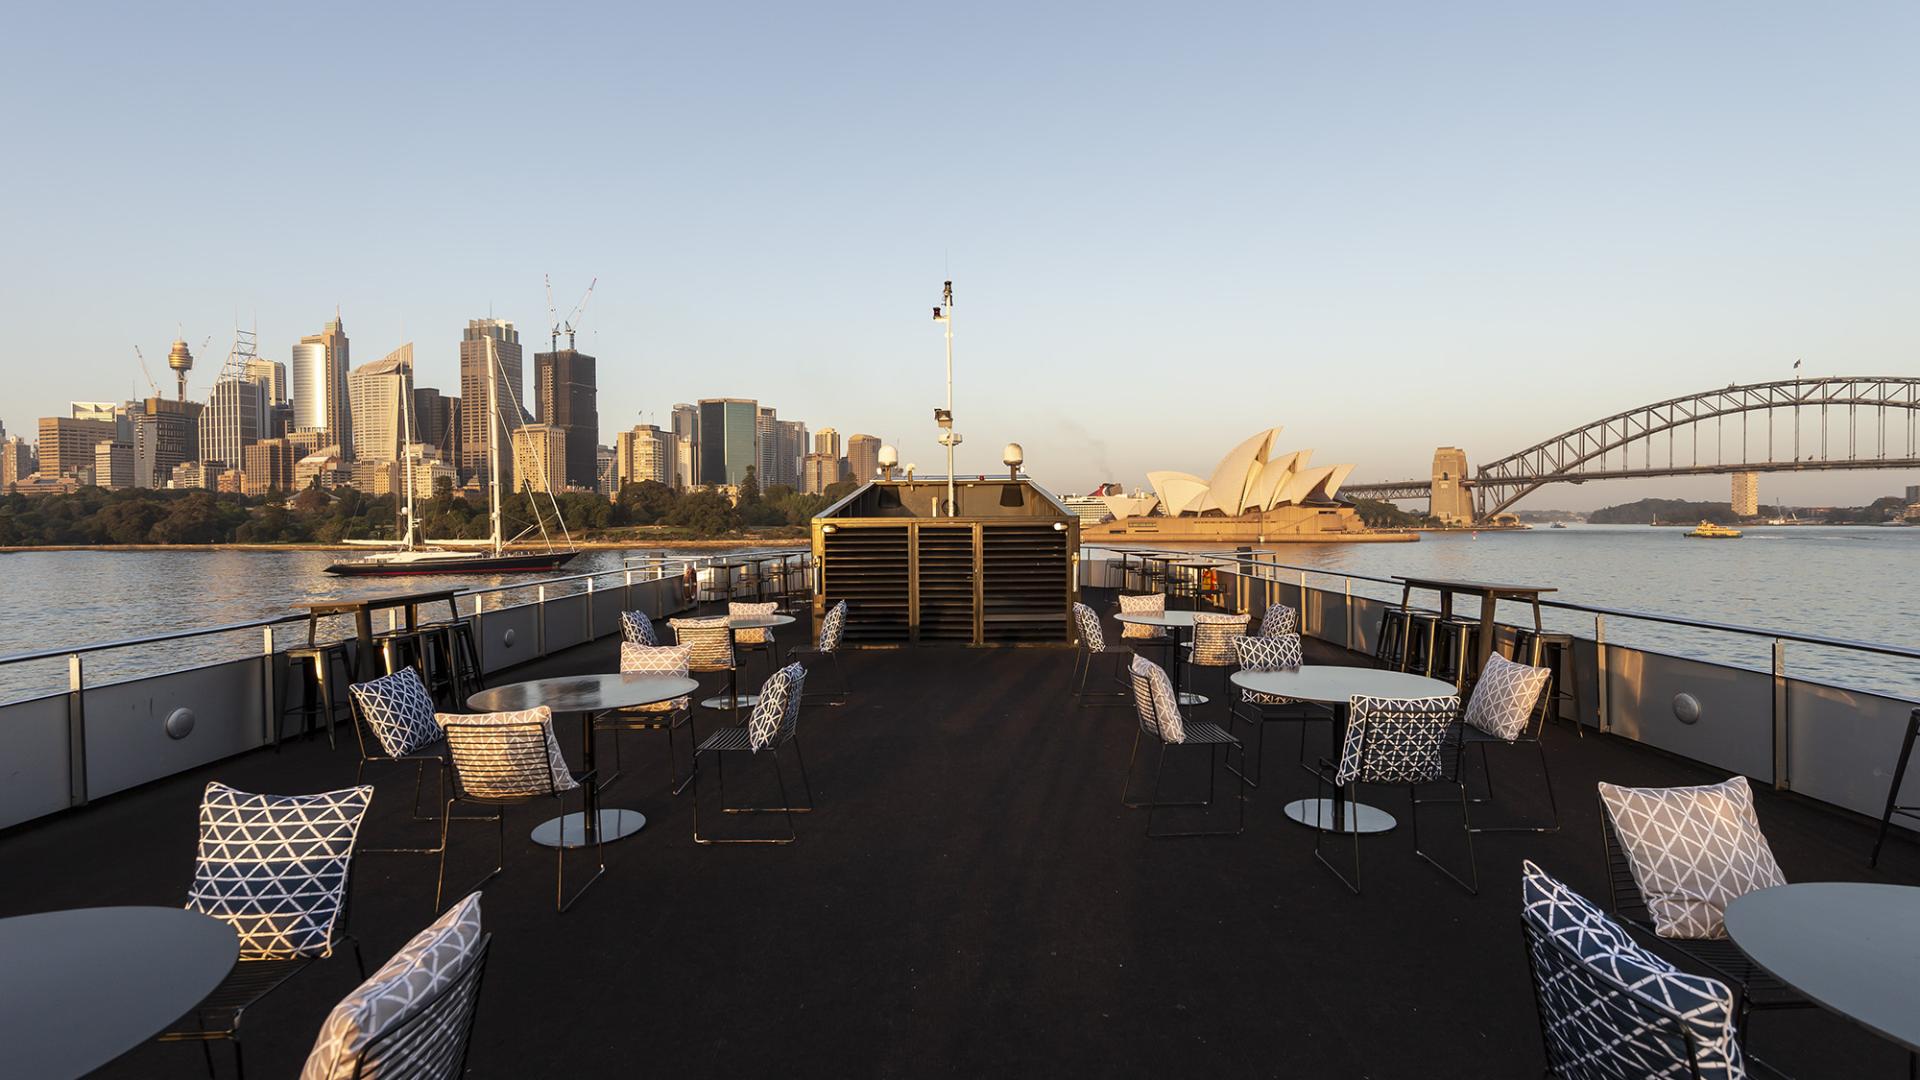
(423, 968)
(506, 764)
(775, 716)
(833, 627)
(637, 629)
(274, 867)
(399, 711)
(1154, 700)
(1594, 1028)
(1693, 851)
(1148, 604)
(752, 635)
(1505, 696)
(1088, 624)
(657, 660)
(1395, 740)
(1279, 652)
(1278, 619)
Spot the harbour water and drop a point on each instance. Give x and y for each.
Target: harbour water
(1859, 583)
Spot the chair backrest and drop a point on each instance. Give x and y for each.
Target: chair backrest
(1506, 696)
(637, 629)
(1691, 851)
(1608, 1008)
(1213, 636)
(776, 716)
(1396, 740)
(507, 755)
(274, 867)
(1088, 624)
(432, 1043)
(1281, 652)
(1278, 619)
(1155, 702)
(1144, 604)
(711, 640)
(833, 628)
(657, 660)
(753, 635)
(398, 710)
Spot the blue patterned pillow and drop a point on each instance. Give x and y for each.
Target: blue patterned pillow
(1089, 625)
(274, 867)
(637, 629)
(398, 710)
(777, 713)
(833, 627)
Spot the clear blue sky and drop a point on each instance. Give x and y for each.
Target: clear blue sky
(1385, 227)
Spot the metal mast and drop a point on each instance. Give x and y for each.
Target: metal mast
(949, 438)
(493, 439)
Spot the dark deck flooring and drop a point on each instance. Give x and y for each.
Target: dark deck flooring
(970, 899)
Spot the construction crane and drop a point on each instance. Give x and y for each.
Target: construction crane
(573, 318)
(572, 324)
(154, 386)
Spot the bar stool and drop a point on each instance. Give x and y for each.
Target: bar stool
(1449, 660)
(1422, 627)
(316, 664)
(1391, 647)
(1893, 789)
(1555, 653)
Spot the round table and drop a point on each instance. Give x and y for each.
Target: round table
(586, 694)
(1851, 947)
(79, 988)
(1335, 685)
(735, 624)
(1173, 622)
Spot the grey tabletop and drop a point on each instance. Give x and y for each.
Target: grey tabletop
(1850, 946)
(1336, 684)
(757, 622)
(79, 988)
(583, 693)
(1157, 618)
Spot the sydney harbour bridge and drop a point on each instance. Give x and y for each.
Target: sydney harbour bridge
(1794, 425)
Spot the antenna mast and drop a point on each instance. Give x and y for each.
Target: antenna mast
(949, 438)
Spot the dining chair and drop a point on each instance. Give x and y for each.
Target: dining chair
(667, 716)
(1090, 646)
(833, 632)
(1158, 711)
(1398, 742)
(1278, 652)
(1508, 708)
(774, 724)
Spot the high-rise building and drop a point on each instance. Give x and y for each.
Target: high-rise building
(165, 433)
(271, 375)
(16, 462)
(113, 464)
(380, 393)
(66, 444)
(95, 410)
(1746, 494)
(197, 475)
(539, 458)
(790, 440)
(565, 397)
(683, 462)
(320, 401)
(863, 457)
(686, 425)
(279, 423)
(436, 422)
(489, 356)
(236, 411)
(819, 472)
(727, 446)
(647, 453)
(766, 445)
(606, 482)
(268, 465)
(827, 441)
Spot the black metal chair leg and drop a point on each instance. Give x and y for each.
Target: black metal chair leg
(561, 901)
(1466, 828)
(1893, 789)
(1319, 831)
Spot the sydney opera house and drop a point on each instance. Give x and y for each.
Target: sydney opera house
(1255, 495)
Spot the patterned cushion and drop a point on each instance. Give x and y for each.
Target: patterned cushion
(1149, 604)
(711, 640)
(1091, 636)
(657, 660)
(758, 635)
(1593, 1027)
(776, 716)
(1693, 851)
(507, 764)
(637, 629)
(274, 867)
(398, 710)
(423, 968)
(1396, 740)
(1279, 619)
(1504, 698)
(1268, 653)
(833, 627)
(1213, 637)
(1155, 701)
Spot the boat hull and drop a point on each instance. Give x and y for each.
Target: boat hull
(478, 564)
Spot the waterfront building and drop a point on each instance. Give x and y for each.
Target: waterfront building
(820, 471)
(566, 398)
(1746, 494)
(436, 422)
(113, 464)
(728, 444)
(766, 445)
(231, 482)
(197, 475)
(646, 453)
(66, 443)
(378, 394)
(489, 352)
(272, 377)
(16, 462)
(165, 433)
(268, 466)
(539, 458)
(792, 438)
(686, 425)
(320, 400)
(826, 441)
(863, 457)
(1451, 502)
(371, 477)
(233, 417)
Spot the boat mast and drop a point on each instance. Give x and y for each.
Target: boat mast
(493, 439)
(406, 451)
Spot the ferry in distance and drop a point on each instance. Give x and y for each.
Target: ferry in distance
(1707, 530)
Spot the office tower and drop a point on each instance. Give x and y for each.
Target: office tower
(819, 472)
(94, 410)
(66, 444)
(436, 422)
(727, 447)
(682, 462)
(766, 445)
(165, 433)
(197, 475)
(647, 453)
(268, 465)
(272, 376)
(863, 457)
(489, 356)
(1746, 494)
(370, 477)
(686, 425)
(539, 458)
(565, 397)
(236, 411)
(16, 462)
(793, 450)
(604, 473)
(380, 394)
(827, 441)
(113, 464)
(279, 423)
(320, 400)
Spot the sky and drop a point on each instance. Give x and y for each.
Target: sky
(1382, 227)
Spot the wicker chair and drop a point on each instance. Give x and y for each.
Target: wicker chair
(1158, 710)
(755, 639)
(503, 759)
(1212, 646)
(1396, 741)
(775, 723)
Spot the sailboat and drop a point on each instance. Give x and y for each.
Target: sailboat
(413, 555)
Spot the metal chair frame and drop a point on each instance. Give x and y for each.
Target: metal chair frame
(514, 753)
(434, 1041)
(1893, 789)
(1083, 662)
(1466, 736)
(316, 692)
(736, 739)
(1197, 735)
(1326, 781)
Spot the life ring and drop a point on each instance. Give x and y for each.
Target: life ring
(690, 584)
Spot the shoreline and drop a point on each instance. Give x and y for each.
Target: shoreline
(584, 545)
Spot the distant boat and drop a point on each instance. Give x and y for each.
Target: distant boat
(1556, 525)
(1709, 531)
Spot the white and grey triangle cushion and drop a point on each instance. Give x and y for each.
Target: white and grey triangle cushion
(656, 660)
(1213, 636)
(507, 755)
(1155, 701)
(1609, 1008)
(1144, 604)
(1279, 619)
(1088, 623)
(1281, 652)
(398, 710)
(274, 867)
(1504, 698)
(776, 716)
(423, 968)
(833, 628)
(1396, 740)
(637, 629)
(1693, 851)
(753, 635)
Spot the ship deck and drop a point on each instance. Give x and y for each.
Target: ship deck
(970, 898)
